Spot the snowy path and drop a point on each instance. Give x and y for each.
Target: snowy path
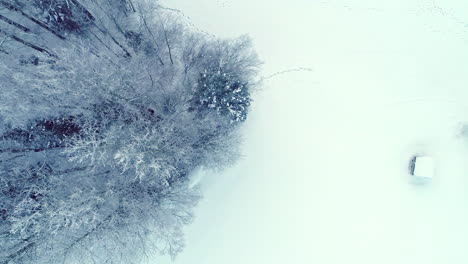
(324, 178)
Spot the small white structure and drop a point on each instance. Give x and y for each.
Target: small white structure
(422, 167)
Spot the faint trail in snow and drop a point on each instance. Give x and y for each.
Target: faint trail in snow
(443, 12)
(223, 2)
(436, 100)
(422, 9)
(188, 19)
(300, 69)
(459, 27)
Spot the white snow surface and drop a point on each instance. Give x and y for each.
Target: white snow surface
(424, 167)
(325, 178)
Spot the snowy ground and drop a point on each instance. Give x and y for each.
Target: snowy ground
(325, 174)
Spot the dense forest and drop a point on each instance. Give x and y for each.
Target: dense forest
(106, 108)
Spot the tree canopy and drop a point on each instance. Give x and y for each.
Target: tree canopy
(106, 108)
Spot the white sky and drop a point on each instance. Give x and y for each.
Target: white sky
(324, 178)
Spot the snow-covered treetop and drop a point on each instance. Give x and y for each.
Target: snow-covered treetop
(106, 108)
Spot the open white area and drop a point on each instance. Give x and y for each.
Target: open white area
(424, 167)
(324, 178)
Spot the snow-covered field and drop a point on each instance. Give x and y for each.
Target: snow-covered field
(325, 175)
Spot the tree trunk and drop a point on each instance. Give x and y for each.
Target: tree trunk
(13, 23)
(40, 23)
(33, 46)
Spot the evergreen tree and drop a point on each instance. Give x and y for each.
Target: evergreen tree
(224, 93)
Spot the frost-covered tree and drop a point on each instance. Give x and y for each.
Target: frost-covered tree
(222, 93)
(106, 107)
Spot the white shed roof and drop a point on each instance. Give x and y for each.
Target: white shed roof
(424, 167)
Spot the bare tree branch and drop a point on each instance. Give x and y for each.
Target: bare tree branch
(167, 42)
(38, 22)
(104, 31)
(13, 23)
(10, 258)
(153, 37)
(131, 5)
(33, 46)
(83, 9)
